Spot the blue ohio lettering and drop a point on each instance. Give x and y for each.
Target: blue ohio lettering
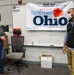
(49, 21)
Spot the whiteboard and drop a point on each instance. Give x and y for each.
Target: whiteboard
(40, 38)
(45, 38)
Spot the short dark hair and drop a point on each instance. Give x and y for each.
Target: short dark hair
(70, 8)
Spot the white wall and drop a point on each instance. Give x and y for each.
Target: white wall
(33, 53)
(27, 1)
(7, 2)
(6, 15)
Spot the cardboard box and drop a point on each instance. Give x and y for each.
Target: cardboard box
(5, 60)
(6, 43)
(46, 61)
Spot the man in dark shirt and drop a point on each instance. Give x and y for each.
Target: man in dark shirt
(2, 39)
(68, 46)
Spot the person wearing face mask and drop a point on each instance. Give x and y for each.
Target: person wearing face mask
(68, 46)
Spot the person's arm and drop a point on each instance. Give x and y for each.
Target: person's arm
(64, 45)
(2, 38)
(3, 35)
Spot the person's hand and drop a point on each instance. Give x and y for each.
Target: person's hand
(2, 38)
(64, 49)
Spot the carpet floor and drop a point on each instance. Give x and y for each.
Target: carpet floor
(35, 69)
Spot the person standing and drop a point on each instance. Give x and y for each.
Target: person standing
(2, 39)
(68, 46)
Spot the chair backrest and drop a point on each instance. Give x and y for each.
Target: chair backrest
(17, 43)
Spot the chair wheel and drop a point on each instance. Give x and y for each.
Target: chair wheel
(26, 65)
(19, 71)
(8, 69)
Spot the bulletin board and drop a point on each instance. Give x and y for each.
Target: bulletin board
(39, 38)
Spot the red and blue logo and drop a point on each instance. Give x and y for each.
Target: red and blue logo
(47, 16)
(57, 12)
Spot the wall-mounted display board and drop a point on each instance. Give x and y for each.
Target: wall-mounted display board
(36, 37)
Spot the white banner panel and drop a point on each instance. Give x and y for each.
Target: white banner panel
(47, 16)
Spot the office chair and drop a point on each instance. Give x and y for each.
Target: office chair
(17, 51)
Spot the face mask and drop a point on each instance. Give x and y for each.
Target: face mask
(69, 16)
